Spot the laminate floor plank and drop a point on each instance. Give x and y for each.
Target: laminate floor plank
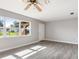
(47, 50)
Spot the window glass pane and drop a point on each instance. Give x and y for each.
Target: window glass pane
(1, 32)
(1, 21)
(24, 24)
(24, 28)
(12, 32)
(24, 31)
(11, 23)
(12, 27)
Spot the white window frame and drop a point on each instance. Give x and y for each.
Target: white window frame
(19, 35)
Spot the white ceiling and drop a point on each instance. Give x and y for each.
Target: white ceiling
(54, 10)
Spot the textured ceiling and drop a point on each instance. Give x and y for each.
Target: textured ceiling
(54, 10)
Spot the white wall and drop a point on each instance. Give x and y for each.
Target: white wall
(8, 43)
(63, 31)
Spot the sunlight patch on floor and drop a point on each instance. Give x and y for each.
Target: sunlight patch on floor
(26, 53)
(36, 47)
(26, 56)
(9, 57)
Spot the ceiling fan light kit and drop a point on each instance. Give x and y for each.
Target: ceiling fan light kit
(34, 3)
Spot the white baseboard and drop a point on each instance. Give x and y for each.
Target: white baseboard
(61, 41)
(18, 46)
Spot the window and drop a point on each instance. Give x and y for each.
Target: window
(25, 28)
(13, 27)
(1, 26)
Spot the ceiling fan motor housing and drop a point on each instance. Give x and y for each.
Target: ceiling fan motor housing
(33, 1)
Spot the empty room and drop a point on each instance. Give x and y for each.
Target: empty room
(38, 29)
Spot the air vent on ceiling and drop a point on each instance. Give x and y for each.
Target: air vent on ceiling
(72, 13)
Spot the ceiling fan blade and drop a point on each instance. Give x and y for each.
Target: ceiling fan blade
(28, 6)
(46, 1)
(38, 7)
(25, 1)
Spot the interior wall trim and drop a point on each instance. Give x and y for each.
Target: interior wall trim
(61, 41)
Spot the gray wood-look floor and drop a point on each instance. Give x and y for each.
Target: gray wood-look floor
(52, 50)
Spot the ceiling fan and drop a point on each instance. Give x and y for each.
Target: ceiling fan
(35, 3)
